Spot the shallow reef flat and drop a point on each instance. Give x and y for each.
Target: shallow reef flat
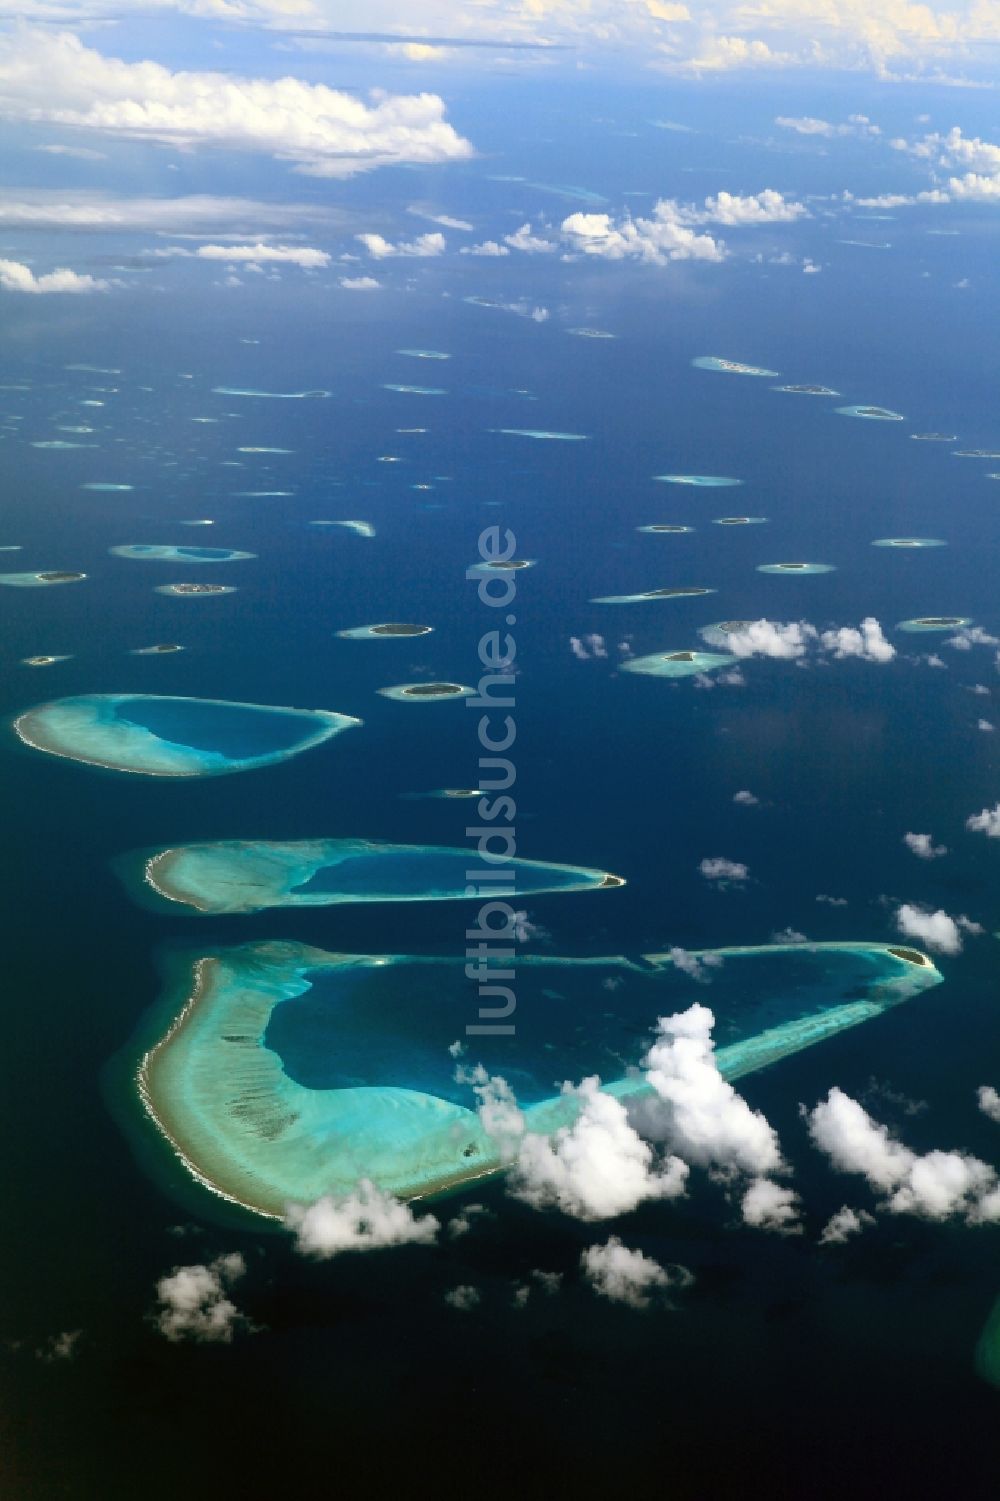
(808, 390)
(186, 589)
(873, 414)
(359, 528)
(795, 568)
(155, 735)
(417, 390)
(731, 367)
(680, 592)
(909, 542)
(250, 875)
(739, 520)
(677, 664)
(664, 526)
(40, 580)
(150, 552)
(707, 481)
(287, 1072)
(270, 395)
(537, 432)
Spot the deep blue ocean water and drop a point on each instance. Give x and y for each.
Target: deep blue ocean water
(806, 1370)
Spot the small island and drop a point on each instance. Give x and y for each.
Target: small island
(162, 648)
(873, 414)
(739, 520)
(663, 526)
(379, 632)
(678, 664)
(196, 588)
(936, 623)
(39, 580)
(795, 568)
(426, 693)
(731, 367)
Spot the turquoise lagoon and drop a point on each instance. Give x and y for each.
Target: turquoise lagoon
(249, 875)
(163, 736)
(678, 592)
(288, 1072)
(162, 553)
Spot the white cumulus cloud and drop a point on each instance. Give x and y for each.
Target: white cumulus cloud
(53, 76)
(424, 245)
(16, 277)
(923, 846)
(936, 930)
(622, 1275)
(364, 1220)
(935, 1185)
(193, 1302)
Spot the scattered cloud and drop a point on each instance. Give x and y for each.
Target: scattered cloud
(936, 930)
(17, 277)
(52, 76)
(424, 245)
(262, 254)
(598, 1167)
(770, 1206)
(365, 1220)
(989, 1101)
(487, 248)
(745, 799)
(721, 871)
(923, 846)
(987, 822)
(360, 284)
(531, 244)
(808, 125)
(868, 642)
(193, 1302)
(204, 213)
(695, 966)
(936, 1185)
(622, 1275)
(464, 1297)
(845, 1223)
(768, 638)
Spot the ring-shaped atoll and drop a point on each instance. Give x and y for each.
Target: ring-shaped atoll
(739, 520)
(795, 568)
(160, 736)
(154, 552)
(277, 1073)
(664, 526)
(249, 875)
